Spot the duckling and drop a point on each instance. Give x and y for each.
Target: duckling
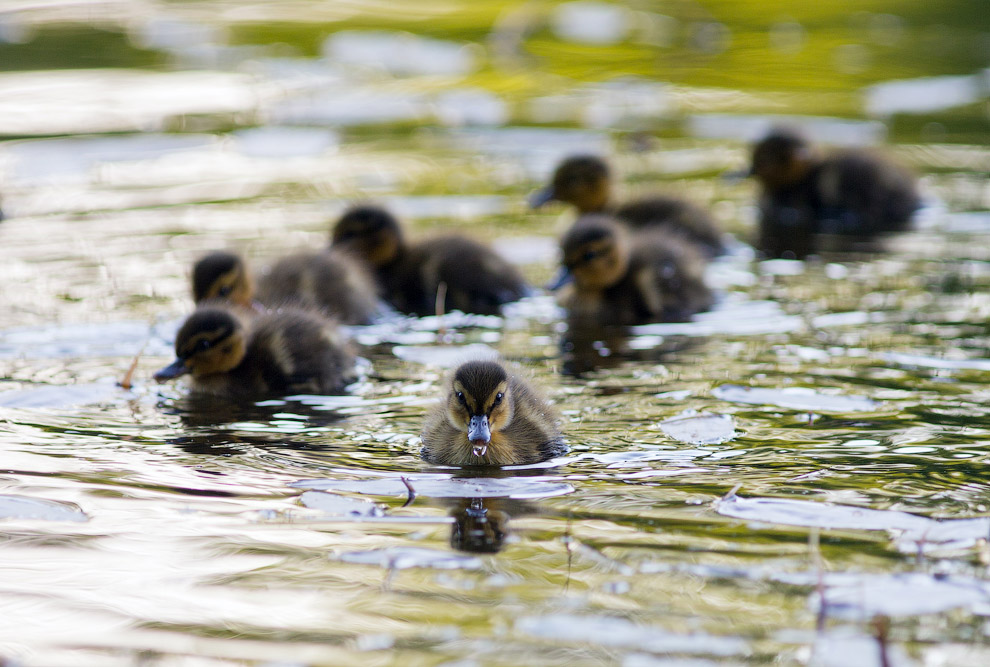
(222, 276)
(291, 351)
(852, 195)
(410, 274)
(585, 182)
(328, 282)
(490, 417)
(625, 277)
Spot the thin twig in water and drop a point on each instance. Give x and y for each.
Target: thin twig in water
(439, 308)
(129, 375)
(816, 555)
(732, 492)
(411, 490)
(567, 544)
(881, 625)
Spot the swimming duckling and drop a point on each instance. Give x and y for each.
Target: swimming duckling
(490, 417)
(624, 277)
(585, 182)
(852, 195)
(291, 351)
(477, 279)
(329, 282)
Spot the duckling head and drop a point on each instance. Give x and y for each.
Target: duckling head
(595, 254)
(782, 158)
(369, 232)
(211, 341)
(479, 403)
(581, 180)
(222, 275)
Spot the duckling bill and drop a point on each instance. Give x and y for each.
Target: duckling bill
(490, 417)
(291, 351)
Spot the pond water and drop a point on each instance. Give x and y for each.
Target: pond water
(797, 477)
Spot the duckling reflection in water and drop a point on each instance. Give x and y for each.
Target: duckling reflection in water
(328, 282)
(291, 351)
(585, 182)
(478, 528)
(620, 277)
(410, 274)
(490, 417)
(809, 201)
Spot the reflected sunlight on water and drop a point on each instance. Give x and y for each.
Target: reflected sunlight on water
(768, 482)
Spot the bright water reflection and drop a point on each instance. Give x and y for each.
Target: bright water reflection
(812, 451)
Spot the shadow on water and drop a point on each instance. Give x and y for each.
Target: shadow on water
(587, 347)
(211, 424)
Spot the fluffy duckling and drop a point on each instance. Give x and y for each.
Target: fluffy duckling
(490, 417)
(624, 277)
(410, 274)
(585, 182)
(291, 351)
(853, 195)
(329, 282)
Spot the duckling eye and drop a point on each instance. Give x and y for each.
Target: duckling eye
(459, 395)
(202, 345)
(225, 291)
(588, 255)
(498, 398)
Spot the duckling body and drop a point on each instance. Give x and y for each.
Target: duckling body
(626, 278)
(585, 182)
(327, 282)
(410, 274)
(808, 200)
(291, 351)
(490, 417)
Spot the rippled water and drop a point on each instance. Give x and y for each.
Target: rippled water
(797, 477)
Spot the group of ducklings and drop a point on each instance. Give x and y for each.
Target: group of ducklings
(624, 264)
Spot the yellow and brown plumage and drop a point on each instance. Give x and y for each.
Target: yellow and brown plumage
(811, 201)
(328, 282)
(622, 277)
(490, 417)
(292, 351)
(585, 182)
(476, 279)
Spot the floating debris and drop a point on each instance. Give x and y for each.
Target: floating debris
(921, 361)
(821, 515)
(703, 429)
(403, 558)
(444, 356)
(794, 398)
(60, 396)
(613, 631)
(23, 507)
(913, 533)
(433, 487)
(334, 505)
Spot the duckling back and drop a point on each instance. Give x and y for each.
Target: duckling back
(289, 351)
(585, 182)
(627, 278)
(477, 279)
(676, 216)
(841, 201)
(294, 351)
(329, 282)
